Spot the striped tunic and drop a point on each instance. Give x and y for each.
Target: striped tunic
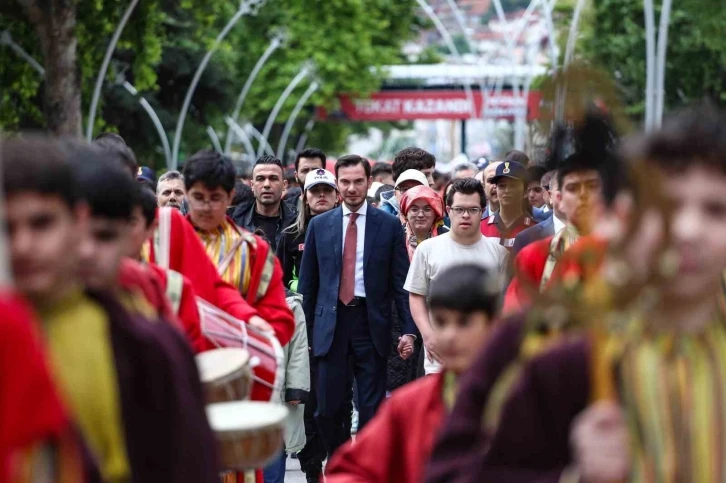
(673, 389)
(218, 243)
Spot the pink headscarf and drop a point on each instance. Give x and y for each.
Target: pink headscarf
(433, 199)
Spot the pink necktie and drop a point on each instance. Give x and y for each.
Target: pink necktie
(347, 274)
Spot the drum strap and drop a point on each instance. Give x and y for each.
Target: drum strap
(162, 238)
(174, 289)
(230, 255)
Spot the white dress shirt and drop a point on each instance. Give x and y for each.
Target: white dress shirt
(360, 288)
(559, 224)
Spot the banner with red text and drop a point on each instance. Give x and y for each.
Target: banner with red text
(438, 104)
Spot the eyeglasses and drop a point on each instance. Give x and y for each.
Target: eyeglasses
(426, 210)
(200, 203)
(460, 210)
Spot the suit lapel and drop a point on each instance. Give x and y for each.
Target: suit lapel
(335, 225)
(373, 224)
(550, 227)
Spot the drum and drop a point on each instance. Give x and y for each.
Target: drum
(267, 359)
(249, 434)
(225, 374)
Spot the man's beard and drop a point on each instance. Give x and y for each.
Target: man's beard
(174, 204)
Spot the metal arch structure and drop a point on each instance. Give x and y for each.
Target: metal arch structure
(233, 125)
(214, 137)
(7, 39)
(450, 44)
(154, 119)
(104, 68)
(304, 136)
(261, 139)
(275, 43)
(246, 7)
(293, 116)
(660, 62)
(304, 71)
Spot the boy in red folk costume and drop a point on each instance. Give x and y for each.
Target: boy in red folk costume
(243, 260)
(162, 287)
(33, 420)
(579, 200)
(396, 444)
(184, 253)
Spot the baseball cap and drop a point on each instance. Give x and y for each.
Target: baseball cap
(374, 187)
(510, 169)
(145, 174)
(412, 175)
(320, 176)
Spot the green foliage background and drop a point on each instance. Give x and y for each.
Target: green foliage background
(164, 41)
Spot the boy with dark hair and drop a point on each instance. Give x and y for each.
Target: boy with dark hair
(516, 156)
(170, 292)
(463, 301)
(267, 214)
(307, 160)
(382, 173)
(242, 259)
(414, 158)
(405, 159)
(103, 357)
(118, 151)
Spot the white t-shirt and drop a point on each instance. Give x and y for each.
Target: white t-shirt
(441, 252)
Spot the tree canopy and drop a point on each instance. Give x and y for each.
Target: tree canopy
(345, 40)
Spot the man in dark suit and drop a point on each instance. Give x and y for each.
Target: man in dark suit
(354, 264)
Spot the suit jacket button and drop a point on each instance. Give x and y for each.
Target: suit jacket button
(334, 307)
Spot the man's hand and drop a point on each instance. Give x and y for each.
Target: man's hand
(405, 346)
(430, 344)
(260, 324)
(293, 403)
(599, 439)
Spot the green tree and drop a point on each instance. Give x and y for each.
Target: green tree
(614, 39)
(346, 40)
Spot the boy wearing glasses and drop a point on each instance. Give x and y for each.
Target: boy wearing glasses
(511, 219)
(242, 259)
(463, 244)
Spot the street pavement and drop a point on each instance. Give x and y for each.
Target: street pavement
(293, 473)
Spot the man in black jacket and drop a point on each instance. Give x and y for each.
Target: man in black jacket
(266, 215)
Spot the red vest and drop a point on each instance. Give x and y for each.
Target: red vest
(493, 227)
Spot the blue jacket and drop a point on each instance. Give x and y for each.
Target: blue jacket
(389, 203)
(385, 267)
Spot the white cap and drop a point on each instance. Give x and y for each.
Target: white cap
(320, 176)
(374, 187)
(412, 175)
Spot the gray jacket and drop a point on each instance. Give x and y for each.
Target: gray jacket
(297, 378)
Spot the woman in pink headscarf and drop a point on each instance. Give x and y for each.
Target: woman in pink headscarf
(423, 211)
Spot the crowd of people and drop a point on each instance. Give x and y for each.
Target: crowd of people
(515, 321)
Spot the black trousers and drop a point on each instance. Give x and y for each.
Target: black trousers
(351, 353)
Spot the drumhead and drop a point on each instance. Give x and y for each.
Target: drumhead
(244, 416)
(219, 363)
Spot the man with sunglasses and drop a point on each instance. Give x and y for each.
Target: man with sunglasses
(463, 244)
